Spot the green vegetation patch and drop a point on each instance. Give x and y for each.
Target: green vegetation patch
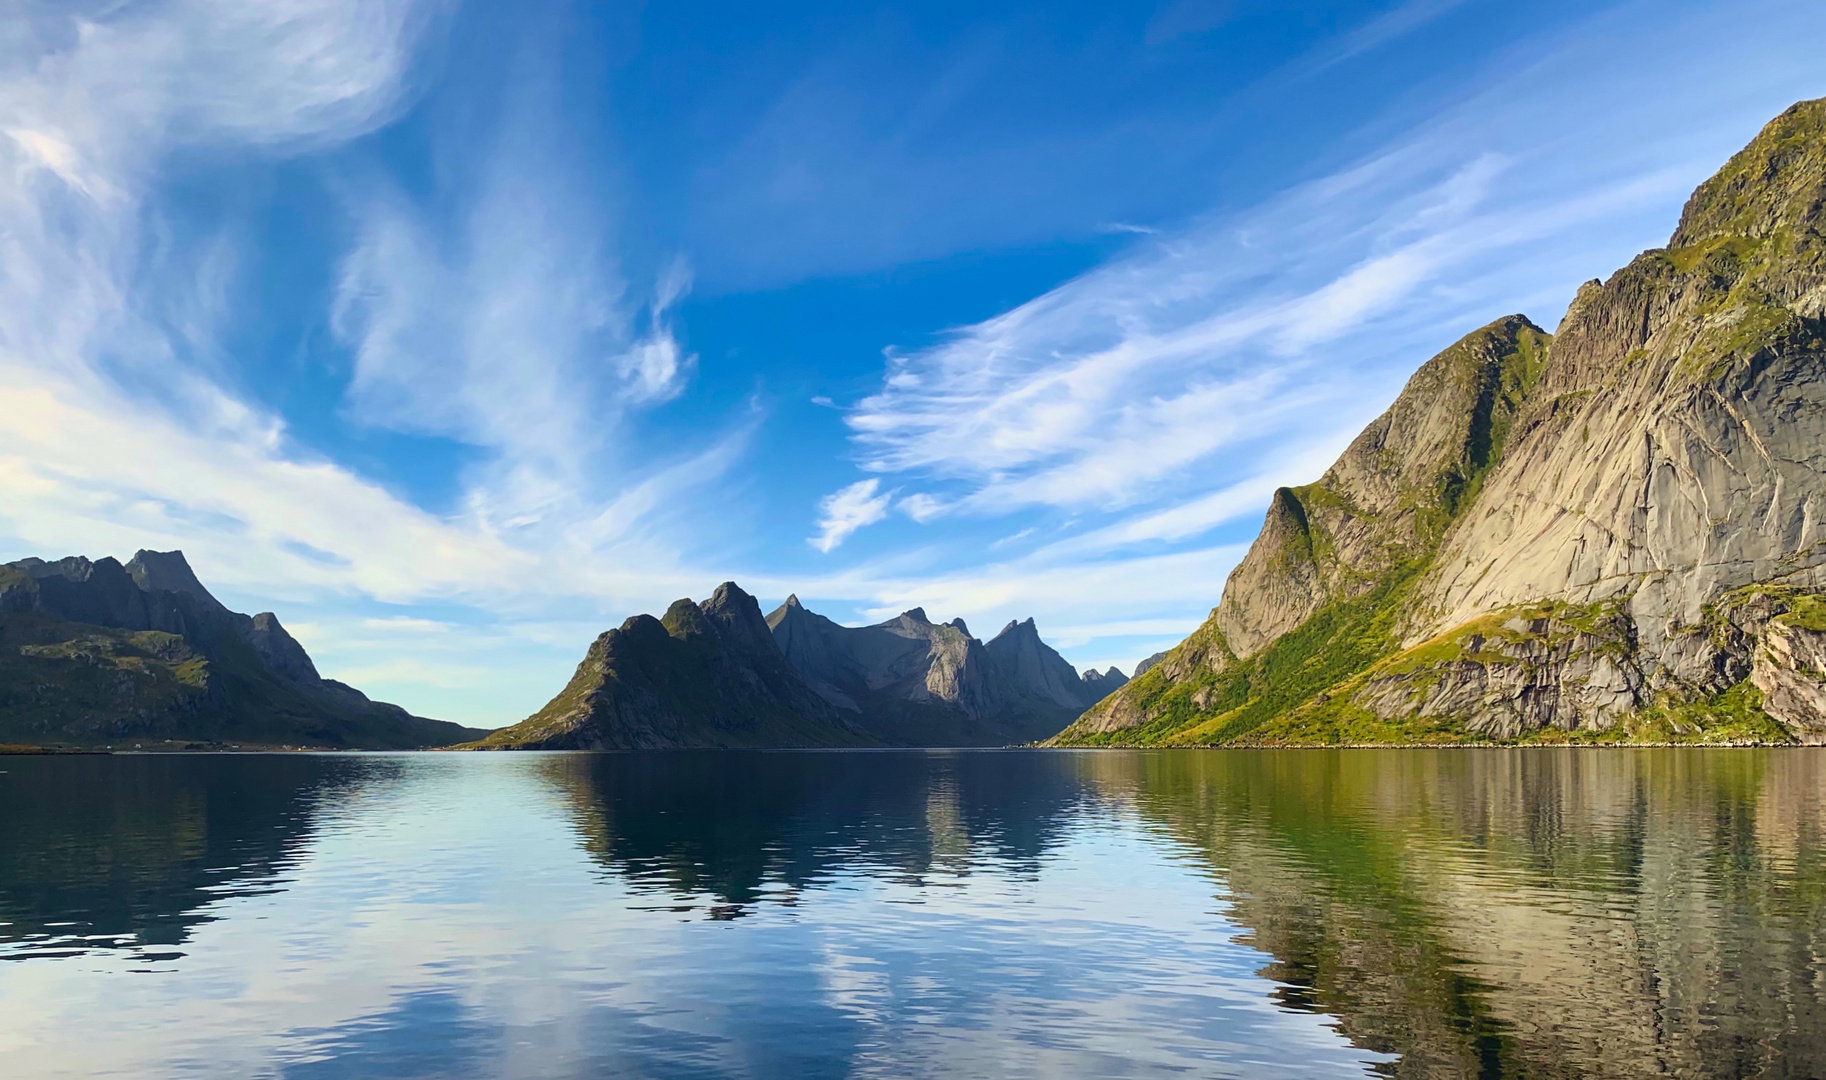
(1806, 611)
(1738, 198)
(1789, 605)
(1732, 718)
(64, 682)
(1216, 706)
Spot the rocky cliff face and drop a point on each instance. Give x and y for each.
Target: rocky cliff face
(706, 675)
(93, 652)
(1389, 497)
(1615, 532)
(1034, 670)
(913, 682)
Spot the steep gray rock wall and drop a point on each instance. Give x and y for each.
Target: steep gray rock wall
(1388, 496)
(1677, 448)
(917, 682)
(1620, 525)
(1035, 670)
(908, 657)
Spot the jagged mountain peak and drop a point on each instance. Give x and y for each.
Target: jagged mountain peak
(168, 570)
(166, 661)
(1398, 485)
(76, 568)
(1775, 184)
(1102, 683)
(708, 674)
(738, 616)
(685, 619)
(1037, 668)
(729, 597)
(917, 681)
(1019, 627)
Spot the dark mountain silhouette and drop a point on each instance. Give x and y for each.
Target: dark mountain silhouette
(96, 653)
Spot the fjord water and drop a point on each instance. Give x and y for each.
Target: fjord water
(1212, 913)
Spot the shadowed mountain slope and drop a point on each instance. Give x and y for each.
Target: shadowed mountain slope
(707, 675)
(912, 682)
(1612, 533)
(96, 653)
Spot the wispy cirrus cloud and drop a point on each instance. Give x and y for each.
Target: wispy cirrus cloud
(1102, 391)
(124, 424)
(841, 513)
(115, 431)
(1147, 409)
(492, 310)
(1171, 373)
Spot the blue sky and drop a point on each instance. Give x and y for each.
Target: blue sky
(456, 333)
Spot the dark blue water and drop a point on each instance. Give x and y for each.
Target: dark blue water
(1022, 914)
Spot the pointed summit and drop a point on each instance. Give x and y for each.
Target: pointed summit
(1023, 629)
(1036, 670)
(1776, 184)
(738, 618)
(170, 571)
(708, 675)
(1101, 684)
(911, 682)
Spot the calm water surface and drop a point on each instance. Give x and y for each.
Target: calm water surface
(1021, 914)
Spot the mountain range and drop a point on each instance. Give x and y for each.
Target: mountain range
(94, 653)
(1610, 533)
(719, 674)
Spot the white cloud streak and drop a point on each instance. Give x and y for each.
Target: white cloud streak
(510, 328)
(121, 428)
(1259, 336)
(1164, 395)
(110, 436)
(843, 512)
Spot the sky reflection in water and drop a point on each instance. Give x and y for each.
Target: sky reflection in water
(1415, 913)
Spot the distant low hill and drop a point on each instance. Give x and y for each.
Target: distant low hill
(718, 674)
(94, 653)
(1610, 533)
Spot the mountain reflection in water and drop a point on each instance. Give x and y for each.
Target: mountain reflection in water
(129, 852)
(728, 831)
(1422, 913)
